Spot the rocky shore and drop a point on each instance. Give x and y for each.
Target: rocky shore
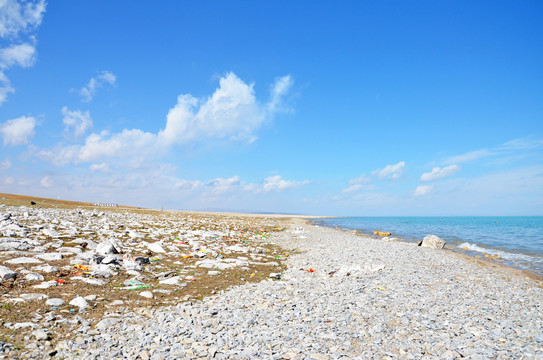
(159, 285)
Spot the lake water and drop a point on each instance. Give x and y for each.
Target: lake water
(518, 240)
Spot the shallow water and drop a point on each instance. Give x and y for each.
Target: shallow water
(518, 240)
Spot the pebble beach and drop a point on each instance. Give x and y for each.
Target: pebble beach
(295, 291)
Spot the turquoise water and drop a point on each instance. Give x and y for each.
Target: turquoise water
(518, 240)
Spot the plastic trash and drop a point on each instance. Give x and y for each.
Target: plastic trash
(142, 260)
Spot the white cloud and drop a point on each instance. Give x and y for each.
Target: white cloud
(103, 167)
(9, 180)
(18, 16)
(45, 182)
(77, 121)
(220, 185)
(527, 143)
(469, 156)
(356, 184)
(18, 131)
(5, 87)
(234, 184)
(188, 184)
(440, 173)
(276, 184)
(104, 77)
(232, 112)
(4, 165)
(393, 172)
(422, 190)
(23, 55)
(279, 89)
(17, 19)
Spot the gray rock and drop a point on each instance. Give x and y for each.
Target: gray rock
(7, 274)
(80, 302)
(54, 302)
(50, 256)
(147, 294)
(24, 260)
(41, 335)
(433, 242)
(34, 277)
(106, 323)
(46, 268)
(33, 296)
(156, 248)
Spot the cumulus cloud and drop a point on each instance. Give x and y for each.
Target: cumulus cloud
(18, 131)
(17, 20)
(440, 173)
(76, 122)
(232, 113)
(134, 144)
(422, 190)
(23, 55)
(104, 77)
(392, 172)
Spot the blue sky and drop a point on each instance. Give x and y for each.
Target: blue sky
(328, 108)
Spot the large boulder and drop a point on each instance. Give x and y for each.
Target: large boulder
(433, 242)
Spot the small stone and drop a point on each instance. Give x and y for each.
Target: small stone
(54, 302)
(34, 277)
(50, 256)
(319, 357)
(80, 302)
(33, 296)
(156, 248)
(41, 335)
(106, 323)
(146, 294)
(144, 355)
(24, 260)
(46, 284)
(7, 274)
(46, 268)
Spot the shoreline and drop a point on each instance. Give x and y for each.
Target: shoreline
(480, 261)
(491, 256)
(333, 295)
